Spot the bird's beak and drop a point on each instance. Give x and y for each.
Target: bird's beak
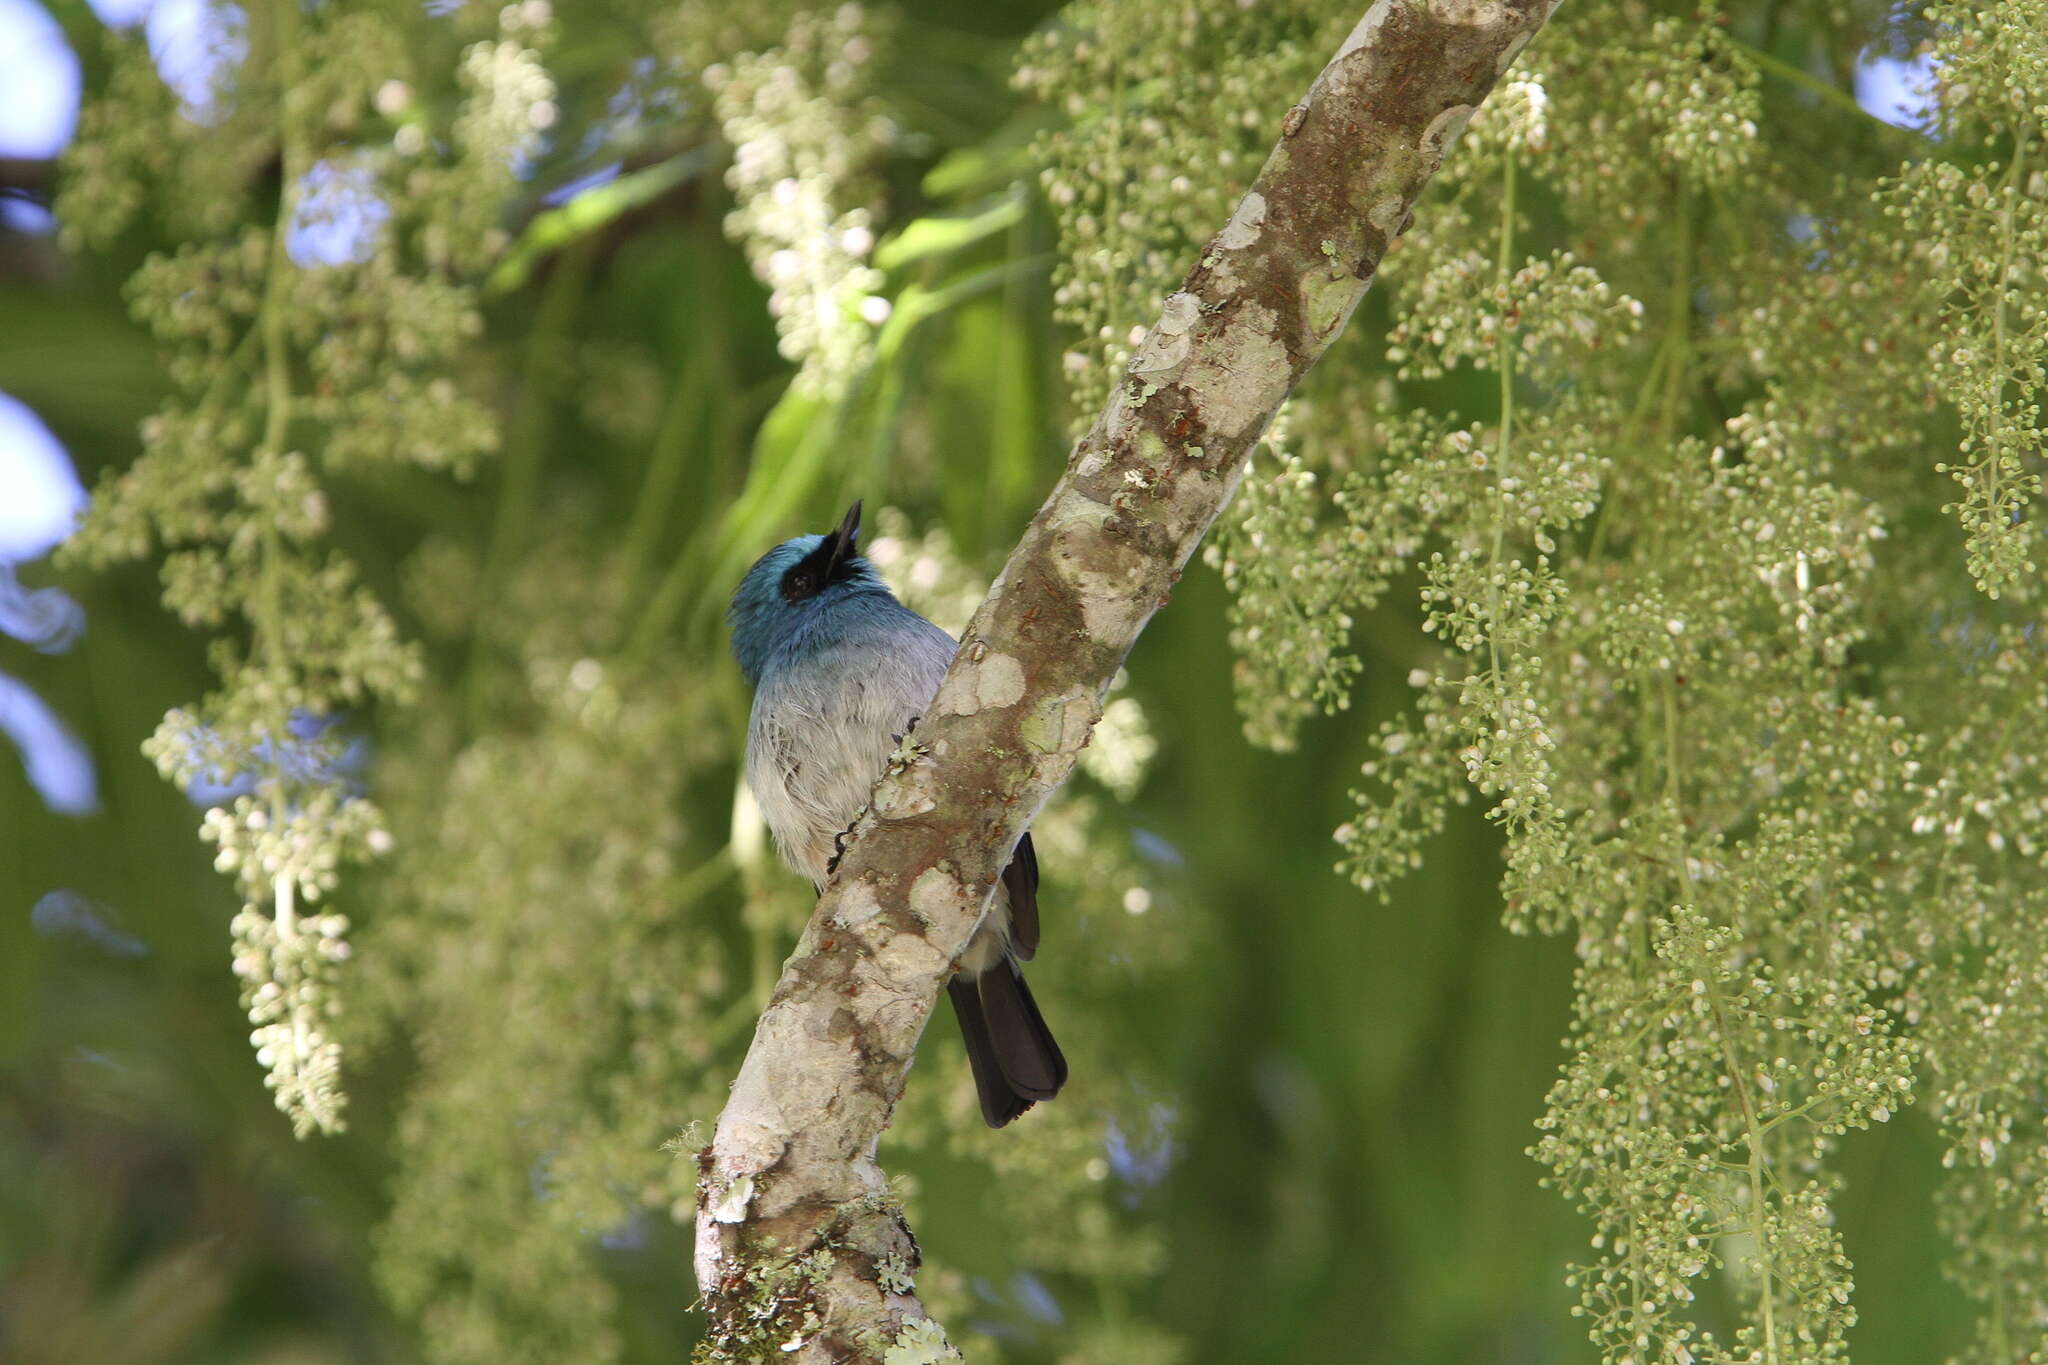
(846, 540)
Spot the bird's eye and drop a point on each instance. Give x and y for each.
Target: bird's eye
(799, 585)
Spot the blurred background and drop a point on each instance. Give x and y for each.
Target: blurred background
(1298, 1124)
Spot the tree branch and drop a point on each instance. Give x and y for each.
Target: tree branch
(800, 1255)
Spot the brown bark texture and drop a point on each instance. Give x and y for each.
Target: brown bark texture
(800, 1255)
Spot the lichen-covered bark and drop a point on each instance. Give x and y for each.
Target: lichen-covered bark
(799, 1255)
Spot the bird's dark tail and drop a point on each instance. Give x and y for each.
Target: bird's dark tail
(1014, 1059)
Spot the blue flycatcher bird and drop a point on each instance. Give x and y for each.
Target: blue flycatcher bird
(840, 671)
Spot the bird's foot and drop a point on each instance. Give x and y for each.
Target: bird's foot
(839, 844)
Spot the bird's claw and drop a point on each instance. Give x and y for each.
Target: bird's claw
(839, 848)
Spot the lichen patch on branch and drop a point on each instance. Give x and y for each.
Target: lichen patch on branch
(995, 680)
(1243, 228)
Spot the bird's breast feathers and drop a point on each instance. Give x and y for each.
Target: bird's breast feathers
(825, 722)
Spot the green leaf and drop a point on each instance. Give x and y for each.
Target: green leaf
(937, 236)
(556, 228)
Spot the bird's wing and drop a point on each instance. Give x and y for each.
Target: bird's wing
(1020, 879)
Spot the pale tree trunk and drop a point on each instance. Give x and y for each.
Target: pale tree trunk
(800, 1254)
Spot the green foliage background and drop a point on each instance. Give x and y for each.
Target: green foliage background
(1756, 718)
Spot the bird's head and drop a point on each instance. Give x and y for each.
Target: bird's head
(791, 584)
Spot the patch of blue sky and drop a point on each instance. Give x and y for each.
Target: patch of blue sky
(65, 914)
(1026, 1306)
(645, 94)
(1036, 1299)
(195, 45)
(339, 218)
(40, 496)
(58, 766)
(45, 619)
(40, 499)
(525, 157)
(122, 13)
(310, 755)
(1897, 90)
(603, 175)
(19, 213)
(632, 1233)
(38, 82)
(1143, 1161)
(1155, 848)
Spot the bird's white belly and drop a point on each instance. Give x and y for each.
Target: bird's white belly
(813, 756)
(812, 784)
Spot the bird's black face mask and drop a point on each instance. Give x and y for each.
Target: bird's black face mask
(831, 562)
